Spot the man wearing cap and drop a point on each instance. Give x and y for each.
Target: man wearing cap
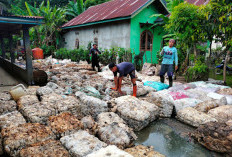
(169, 54)
(123, 69)
(95, 61)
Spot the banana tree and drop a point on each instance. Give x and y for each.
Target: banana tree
(49, 32)
(74, 9)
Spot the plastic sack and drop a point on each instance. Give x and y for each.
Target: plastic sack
(156, 85)
(178, 95)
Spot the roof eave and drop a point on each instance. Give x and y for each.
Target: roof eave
(98, 22)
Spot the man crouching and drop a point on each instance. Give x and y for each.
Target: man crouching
(123, 69)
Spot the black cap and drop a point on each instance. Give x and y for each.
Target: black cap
(111, 65)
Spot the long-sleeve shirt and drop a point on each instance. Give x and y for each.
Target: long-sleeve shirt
(169, 55)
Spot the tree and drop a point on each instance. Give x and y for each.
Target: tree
(185, 23)
(74, 9)
(48, 33)
(221, 10)
(89, 3)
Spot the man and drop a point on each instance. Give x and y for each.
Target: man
(169, 54)
(94, 53)
(123, 69)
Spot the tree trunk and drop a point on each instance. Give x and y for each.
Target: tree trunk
(224, 69)
(195, 50)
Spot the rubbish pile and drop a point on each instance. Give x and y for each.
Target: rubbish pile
(77, 113)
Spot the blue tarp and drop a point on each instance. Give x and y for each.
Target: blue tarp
(156, 85)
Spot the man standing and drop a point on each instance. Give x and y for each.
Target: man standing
(169, 54)
(123, 69)
(95, 61)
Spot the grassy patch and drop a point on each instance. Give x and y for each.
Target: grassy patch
(220, 77)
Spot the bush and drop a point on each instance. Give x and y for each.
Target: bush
(199, 72)
(48, 50)
(110, 55)
(75, 55)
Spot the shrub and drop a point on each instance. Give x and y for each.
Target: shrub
(48, 50)
(199, 72)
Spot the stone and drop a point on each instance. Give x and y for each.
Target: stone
(143, 151)
(210, 104)
(222, 113)
(186, 102)
(5, 96)
(225, 91)
(137, 113)
(44, 91)
(7, 106)
(51, 148)
(193, 117)
(18, 137)
(110, 151)
(11, 119)
(163, 100)
(113, 130)
(215, 136)
(81, 143)
(89, 125)
(91, 105)
(64, 124)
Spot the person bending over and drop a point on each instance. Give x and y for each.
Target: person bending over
(123, 69)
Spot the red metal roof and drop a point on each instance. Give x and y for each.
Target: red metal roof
(198, 2)
(109, 10)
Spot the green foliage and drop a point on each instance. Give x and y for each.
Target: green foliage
(199, 72)
(185, 22)
(110, 55)
(221, 12)
(48, 33)
(89, 3)
(75, 55)
(48, 50)
(171, 4)
(74, 9)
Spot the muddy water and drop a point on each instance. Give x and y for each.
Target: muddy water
(172, 139)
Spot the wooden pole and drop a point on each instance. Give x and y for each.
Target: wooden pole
(3, 48)
(151, 53)
(28, 52)
(12, 56)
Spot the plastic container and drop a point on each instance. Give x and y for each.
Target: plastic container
(37, 53)
(18, 91)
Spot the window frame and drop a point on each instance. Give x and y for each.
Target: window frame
(146, 33)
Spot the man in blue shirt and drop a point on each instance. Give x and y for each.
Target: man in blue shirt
(95, 61)
(169, 54)
(123, 69)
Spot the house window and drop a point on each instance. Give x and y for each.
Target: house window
(77, 44)
(95, 41)
(146, 41)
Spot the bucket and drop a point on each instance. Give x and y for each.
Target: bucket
(37, 53)
(17, 91)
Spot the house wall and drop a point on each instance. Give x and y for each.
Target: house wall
(113, 34)
(143, 17)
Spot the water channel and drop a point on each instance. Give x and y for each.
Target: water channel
(172, 139)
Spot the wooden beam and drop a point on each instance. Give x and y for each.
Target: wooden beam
(28, 52)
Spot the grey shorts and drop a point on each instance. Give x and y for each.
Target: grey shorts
(166, 68)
